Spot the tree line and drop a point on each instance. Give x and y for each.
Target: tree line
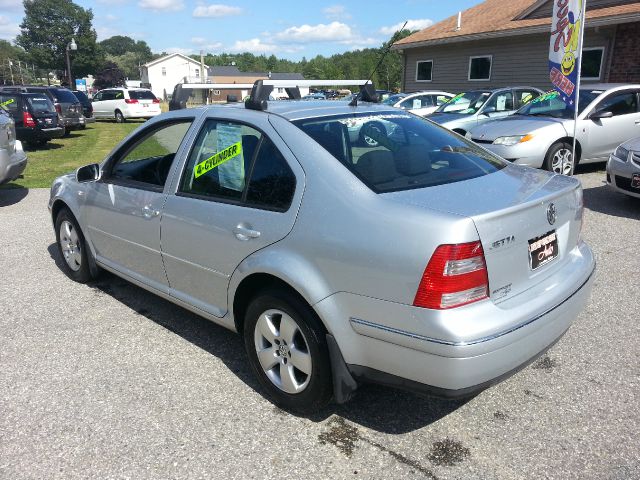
(49, 25)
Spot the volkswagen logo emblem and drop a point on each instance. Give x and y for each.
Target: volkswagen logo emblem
(552, 215)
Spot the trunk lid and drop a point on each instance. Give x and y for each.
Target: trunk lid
(510, 209)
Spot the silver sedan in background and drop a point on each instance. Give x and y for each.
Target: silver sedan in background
(541, 133)
(623, 168)
(467, 110)
(424, 261)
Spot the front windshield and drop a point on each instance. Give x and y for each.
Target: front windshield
(551, 105)
(392, 151)
(465, 103)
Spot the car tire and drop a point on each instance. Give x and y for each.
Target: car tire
(119, 117)
(554, 159)
(287, 349)
(67, 130)
(72, 247)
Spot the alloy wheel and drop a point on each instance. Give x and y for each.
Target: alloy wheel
(283, 351)
(562, 161)
(70, 245)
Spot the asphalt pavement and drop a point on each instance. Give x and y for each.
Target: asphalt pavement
(108, 381)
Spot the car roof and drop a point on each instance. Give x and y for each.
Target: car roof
(607, 86)
(296, 109)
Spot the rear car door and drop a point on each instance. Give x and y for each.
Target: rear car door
(239, 192)
(603, 135)
(123, 207)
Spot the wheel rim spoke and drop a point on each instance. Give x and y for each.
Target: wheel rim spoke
(301, 360)
(70, 246)
(266, 328)
(287, 379)
(268, 358)
(288, 329)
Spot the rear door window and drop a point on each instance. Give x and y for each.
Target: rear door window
(236, 163)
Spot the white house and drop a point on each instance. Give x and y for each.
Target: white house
(165, 72)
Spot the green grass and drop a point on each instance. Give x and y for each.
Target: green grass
(64, 155)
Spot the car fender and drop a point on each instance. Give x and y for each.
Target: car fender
(290, 267)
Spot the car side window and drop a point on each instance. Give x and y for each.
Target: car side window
(440, 99)
(272, 183)
(525, 96)
(118, 94)
(500, 102)
(234, 162)
(98, 97)
(147, 160)
(619, 104)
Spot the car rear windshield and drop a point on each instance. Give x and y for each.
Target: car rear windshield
(41, 104)
(391, 151)
(142, 95)
(64, 96)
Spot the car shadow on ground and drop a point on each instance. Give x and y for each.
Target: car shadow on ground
(603, 199)
(11, 194)
(375, 407)
(50, 145)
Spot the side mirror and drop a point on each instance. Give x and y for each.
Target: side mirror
(88, 173)
(601, 114)
(489, 110)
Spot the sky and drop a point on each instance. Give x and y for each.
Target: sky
(287, 28)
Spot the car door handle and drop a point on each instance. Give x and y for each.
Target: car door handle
(244, 232)
(149, 212)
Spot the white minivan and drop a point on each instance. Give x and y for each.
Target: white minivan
(122, 103)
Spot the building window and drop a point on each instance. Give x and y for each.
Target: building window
(197, 73)
(424, 70)
(164, 71)
(592, 63)
(480, 68)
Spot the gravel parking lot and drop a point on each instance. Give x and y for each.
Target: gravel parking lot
(108, 381)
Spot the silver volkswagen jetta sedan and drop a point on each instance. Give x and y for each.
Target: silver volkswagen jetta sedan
(423, 262)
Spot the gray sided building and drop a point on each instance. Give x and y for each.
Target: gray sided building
(501, 43)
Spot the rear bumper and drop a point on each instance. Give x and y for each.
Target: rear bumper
(393, 345)
(72, 122)
(91, 119)
(35, 134)
(141, 112)
(12, 166)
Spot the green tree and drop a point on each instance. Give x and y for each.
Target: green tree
(109, 75)
(48, 27)
(121, 44)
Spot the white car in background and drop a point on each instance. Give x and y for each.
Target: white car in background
(419, 103)
(123, 103)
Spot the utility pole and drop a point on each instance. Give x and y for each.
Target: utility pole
(11, 71)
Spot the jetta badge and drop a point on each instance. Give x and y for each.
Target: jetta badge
(552, 215)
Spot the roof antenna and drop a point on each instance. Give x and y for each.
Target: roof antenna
(367, 91)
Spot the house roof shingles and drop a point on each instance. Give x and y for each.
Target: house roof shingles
(498, 16)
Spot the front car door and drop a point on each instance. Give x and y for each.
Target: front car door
(498, 106)
(98, 103)
(239, 192)
(123, 207)
(602, 136)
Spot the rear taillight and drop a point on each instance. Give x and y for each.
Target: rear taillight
(28, 120)
(130, 100)
(456, 275)
(58, 108)
(156, 100)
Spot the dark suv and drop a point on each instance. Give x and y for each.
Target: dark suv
(66, 104)
(87, 107)
(35, 117)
